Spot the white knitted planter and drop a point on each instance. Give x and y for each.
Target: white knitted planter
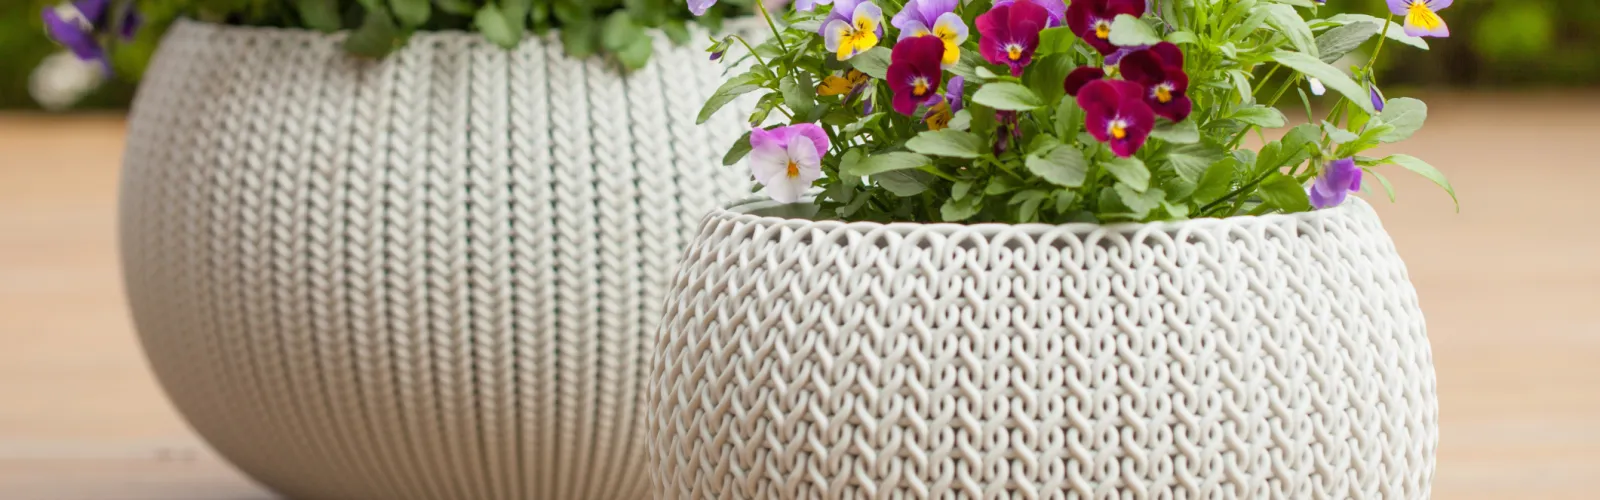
(1249, 358)
(431, 277)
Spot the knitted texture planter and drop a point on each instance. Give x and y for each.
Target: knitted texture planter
(1253, 357)
(428, 277)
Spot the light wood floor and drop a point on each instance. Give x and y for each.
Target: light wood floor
(1511, 287)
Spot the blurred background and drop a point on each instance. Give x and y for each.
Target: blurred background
(1510, 284)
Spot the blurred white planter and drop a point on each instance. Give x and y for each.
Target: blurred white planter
(1251, 358)
(433, 276)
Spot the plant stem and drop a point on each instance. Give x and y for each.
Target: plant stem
(768, 17)
(754, 54)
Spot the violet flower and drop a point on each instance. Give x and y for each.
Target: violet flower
(955, 93)
(78, 26)
(1091, 20)
(1116, 113)
(1008, 130)
(1160, 70)
(1056, 8)
(852, 28)
(1080, 77)
(1011, 33)
(914, 74)
(786, 160)
(937, 18)
(1377, 97)
(1422, 17)
(1337, 180)
(699, 7)
(809, 5)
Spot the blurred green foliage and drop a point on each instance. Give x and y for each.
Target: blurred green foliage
(1505, 43)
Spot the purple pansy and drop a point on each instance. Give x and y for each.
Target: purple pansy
(1011, 33)
(699, 7)
(1337, 180)
(1080, 77)
(956, 93)
(78, 26)
(1160, 70)
(1422, 16)
(1056, 8)
(914, 73)
(1091, 20)
(1115, 113)
(848, 33)
(786, 160)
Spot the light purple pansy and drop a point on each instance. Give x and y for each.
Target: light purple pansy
(1422, 16)
(786, 160)
(956, 93)
(699, 7)
(1337, 180)
(921, 15)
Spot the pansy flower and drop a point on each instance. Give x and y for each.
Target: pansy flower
(937, 18)
(1160, 70)
(79, 25)
(914, 73)
(1116, 114)
(1091, 20)
(786, 160)
(1422, 16)
(1056, 8)
(808, 5)
(1337, 180)
(850, 84)
(1011, 33)
(852, 28)
(1080, 77)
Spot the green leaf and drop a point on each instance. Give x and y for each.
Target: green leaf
(1367, 140)
(1396, 30)
(1183, 38)
(962, 120)
(1330, 76)
(1062, 166)
(904, 183)
(1387, 188)
(957, 211)
(457, 7)
(1289, 22)
(738, 151)
(1270, 158)
(413, 13)
(1339, 135)
(851, 160)
(1216, 182)
(1069, 119)
(1008, 97)
(322, 15)
(1064, 199)
(1260, 116)
(874, 62)
(1241, 84)
(377, 36)
(1129, 31)
(1140, 202)
(799, 93)
(1283, 192)
(620, 30)
(636, 54)
(1131, 171)
(959, 189)
(1184, 132)
(1335, 43)
(1047, 73)
(1000, 184)
(1190, 162)
(1422, 168)
(730, 90)
(497, 27)
(1298, 138)
(1406, 115)
(1056, 40)
(887, 162)
(948, 142)
(580, 37)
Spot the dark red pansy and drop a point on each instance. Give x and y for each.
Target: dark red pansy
(1010, 33)
(1115, 113)
(1080, 77)
(1160, 70)
(1091, 20)
(914, 73)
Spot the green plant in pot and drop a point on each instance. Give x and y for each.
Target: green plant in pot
(1023, 248)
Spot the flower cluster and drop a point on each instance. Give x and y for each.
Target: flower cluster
(1047, 110)
(84, 25)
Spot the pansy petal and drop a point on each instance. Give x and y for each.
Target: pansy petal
(813, 133)
(1438, 5)
(785, 189)
(914, 29)
(1171, 56)
(1422, 22)
(867, 14)
(1399, 7)
(1082, 76)
(767, 163)
(834, 34)
(951, 23)
(804, 153)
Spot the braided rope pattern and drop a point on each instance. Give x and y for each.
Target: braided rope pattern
(1278, 357)
(428, 277)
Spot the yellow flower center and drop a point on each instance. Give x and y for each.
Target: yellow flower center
(1421, 16)
(794, 170)
(939, 117)
(1119, 129)
(1014, 52)
(919, 87)
(1164, 93)
(1102, 30)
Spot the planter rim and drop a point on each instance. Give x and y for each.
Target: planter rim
(743, 211)
(741, 24)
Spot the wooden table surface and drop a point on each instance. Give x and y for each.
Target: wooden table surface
(1510, 285)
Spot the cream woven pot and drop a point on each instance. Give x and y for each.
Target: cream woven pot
(1248, 358)
(431, 277)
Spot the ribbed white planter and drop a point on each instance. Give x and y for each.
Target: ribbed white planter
(431, 277)
(1245, 358)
